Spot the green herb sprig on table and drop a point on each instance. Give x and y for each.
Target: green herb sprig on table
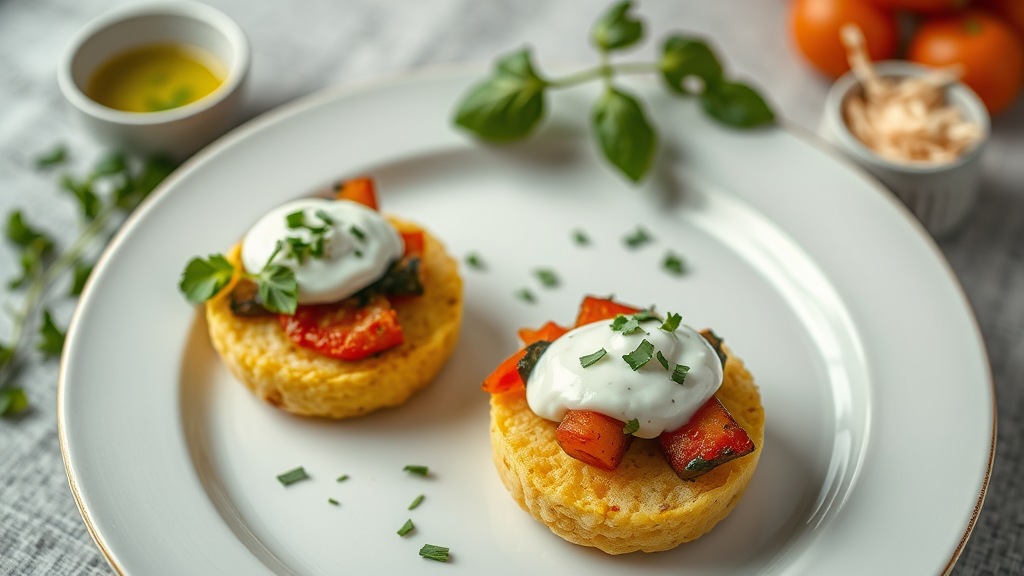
(511, 103)
(113, 188)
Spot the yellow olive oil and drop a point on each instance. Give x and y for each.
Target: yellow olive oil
(156, 78)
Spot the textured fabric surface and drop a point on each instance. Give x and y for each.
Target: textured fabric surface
(302, 46)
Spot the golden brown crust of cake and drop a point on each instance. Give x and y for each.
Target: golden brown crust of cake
(642, 505)
(305, 382)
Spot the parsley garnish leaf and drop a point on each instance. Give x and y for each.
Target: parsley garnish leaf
(548, 278)
(52, 338)
(406, 528)
(416, 469)
(674, 264)
(679, 374)
(203, 279)
(626, 324)
(12, 401)
(590, 359)
(672, 322)
(439, 553)
(638, 238)
(631, 426)
(292, 476)
(415, 503)
(278, 290)
(642, 355)
(663, 360)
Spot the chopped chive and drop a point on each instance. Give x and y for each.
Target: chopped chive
(663, 360)
(474, 261)
(416, 502)
(439, 553)
(52, 158)
(414, 469)
(642, 355)
(548, 278)
(525, 295)
(359, 234)
(296, 220)
(646, 316)
(292, 476)
(672, 322)
(580, 237)
(638, 238)
(673, 264)
(324, 216)
(406, 528)
(631, 426)
(342, 478)
(679, 374)
(589, 359)
(332, 501)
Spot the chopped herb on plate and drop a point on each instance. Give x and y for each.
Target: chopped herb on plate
(332, 501)
(638, 238)
(473, 260)
(415, 503)
(439, 553)
(525, 295)
(406, 528)
(580, 237)
(292, 476)
(342, 478)
(547, 277)
(673, 264)
(418, 470)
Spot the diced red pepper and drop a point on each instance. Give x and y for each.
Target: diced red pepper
(413, 242)
(549, 332)
(711, 438)
(359, 190)
(593, 438)
(506, 376)
(345, 330)
(596, 309)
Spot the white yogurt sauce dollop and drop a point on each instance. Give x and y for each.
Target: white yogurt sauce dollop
(559, 382)
(349, 263)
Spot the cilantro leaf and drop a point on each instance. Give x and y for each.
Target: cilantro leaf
(672, 322)
(508, 105)
(52, 158)
(663, 361)
(80, 275)
(626, 138)
(737, 105)
(548, 278)
(626, 324)
(278, 289)
(638, 238)
(12, 401)
(617, 29)
(203, 279)
(52, 342)
(590, 359)
(679, 373)
(673, 264)
(631, 426)
(642, 355)
(684, 57)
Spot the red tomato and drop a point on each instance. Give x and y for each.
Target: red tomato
(926, 6)
(597, 309)
(345, 330)
(816, 23)
(506, 376)
(989, 51)
(413, 242)
(359, 190)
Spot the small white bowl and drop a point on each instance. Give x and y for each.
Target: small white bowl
(940, 195)
(178, 132)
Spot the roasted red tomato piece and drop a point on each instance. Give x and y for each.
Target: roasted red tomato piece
(359, 190)
(711, 438)
(345, 330)
(413, 242)
(506, 376)
(593, 438)
(549, 332)
(596, 309)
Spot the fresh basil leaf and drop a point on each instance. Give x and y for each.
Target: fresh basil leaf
(641, 356)
(12, 401)
(589, 359)
(672, 323)
(683, 57)
(52, 158)
(625, 136)
(109, 165)
(21, 234)
(617, 29)
(631, 426)
(679, 373)
(508, 105)
(52, 342)
(79, 276)
(533, 353)
(88, 202)
(203, 279)
(737, 105)
(278, 289)
(673, 264)
(663, 361)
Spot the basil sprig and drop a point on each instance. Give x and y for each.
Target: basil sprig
(510, 104)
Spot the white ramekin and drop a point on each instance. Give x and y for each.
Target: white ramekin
(177, 132)
(941, 196)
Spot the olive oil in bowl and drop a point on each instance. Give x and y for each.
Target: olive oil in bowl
(156, 78)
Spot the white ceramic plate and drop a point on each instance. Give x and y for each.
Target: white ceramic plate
(875, 384)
